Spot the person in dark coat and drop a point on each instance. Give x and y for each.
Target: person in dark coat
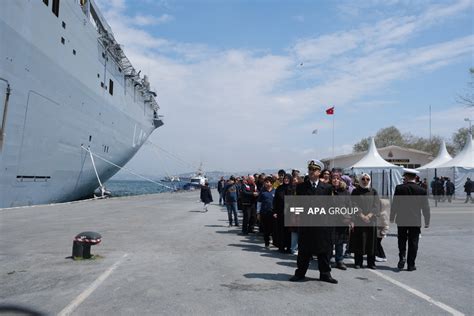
(249, 195)
(409, 202)
(449, 189)
(206, 195)
(314, 240)
(282, 234)
(364, 235)
(438, 189)
(468, 188)
(265, 209)
(220, 189)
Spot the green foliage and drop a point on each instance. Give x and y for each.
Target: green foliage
(391, 136)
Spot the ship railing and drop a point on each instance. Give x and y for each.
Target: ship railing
(116, 52)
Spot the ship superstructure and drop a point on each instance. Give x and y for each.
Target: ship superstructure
(66, 87)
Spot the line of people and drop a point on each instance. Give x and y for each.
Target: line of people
(261, 198)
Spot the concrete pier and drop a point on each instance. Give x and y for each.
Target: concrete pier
(160, 255)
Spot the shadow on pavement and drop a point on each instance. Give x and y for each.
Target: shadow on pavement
(291, 264)
(271, 276)
(253, 248)
(385, 268)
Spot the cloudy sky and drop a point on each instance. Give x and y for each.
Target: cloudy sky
(242, 84)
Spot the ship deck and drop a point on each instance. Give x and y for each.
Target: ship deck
(161, 255)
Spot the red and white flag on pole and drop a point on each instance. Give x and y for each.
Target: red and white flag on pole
(330, 111)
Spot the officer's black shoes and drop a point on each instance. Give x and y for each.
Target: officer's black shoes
(411, 268)
(297, 278)
(372, 267)
(357, 266)
(401, 264)
(326, 277)
(340, 265)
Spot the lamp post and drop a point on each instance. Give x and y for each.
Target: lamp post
(470, 124)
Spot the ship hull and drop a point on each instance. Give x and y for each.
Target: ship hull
(55, 105)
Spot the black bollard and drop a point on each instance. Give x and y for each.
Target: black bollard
(77, 249)
(81, 246)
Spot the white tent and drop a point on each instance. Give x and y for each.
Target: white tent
(385, 176)
(460, 167)
(442, 157)
(428, 171)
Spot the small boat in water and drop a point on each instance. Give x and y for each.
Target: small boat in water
(196, 181)
(171, 179)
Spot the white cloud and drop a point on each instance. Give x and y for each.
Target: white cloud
(144, 20)
(444, 123)
(230, 108)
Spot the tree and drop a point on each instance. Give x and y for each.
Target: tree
(384, 137)
(459, 138)
(392, 136)
(468, 97)
(363, 145)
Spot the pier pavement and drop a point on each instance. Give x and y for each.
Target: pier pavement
(161, 255)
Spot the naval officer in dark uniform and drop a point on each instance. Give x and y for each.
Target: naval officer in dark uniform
(314, 240)
(409, 202)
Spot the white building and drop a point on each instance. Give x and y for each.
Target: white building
(400, 156)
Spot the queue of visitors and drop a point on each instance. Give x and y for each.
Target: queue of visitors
(261, 199)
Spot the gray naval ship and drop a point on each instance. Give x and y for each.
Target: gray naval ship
(72, 107)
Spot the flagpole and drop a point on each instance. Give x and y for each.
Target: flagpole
(430, 124)
(333, 141)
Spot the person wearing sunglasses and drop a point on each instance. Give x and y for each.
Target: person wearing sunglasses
(325, 176)
(364, 236)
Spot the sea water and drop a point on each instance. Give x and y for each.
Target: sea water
(139, 187)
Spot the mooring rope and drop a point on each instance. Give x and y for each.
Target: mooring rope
(102, 189)
(122, 167)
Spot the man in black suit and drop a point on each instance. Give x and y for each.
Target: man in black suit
(314, 240)
(409, 202)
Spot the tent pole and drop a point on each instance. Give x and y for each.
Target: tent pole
(390, 185)
(435, 191)
(383, 182)
(371, 180)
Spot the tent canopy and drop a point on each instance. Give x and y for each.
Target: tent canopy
(372, 159)
(460, 167)
(442, 157)
(385, 176)
(464, 159)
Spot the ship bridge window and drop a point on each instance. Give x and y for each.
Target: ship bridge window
(55, 7)
(111, 87)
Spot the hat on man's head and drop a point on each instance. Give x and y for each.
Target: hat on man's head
(232, 178)
(315, 164)
(411, 172)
